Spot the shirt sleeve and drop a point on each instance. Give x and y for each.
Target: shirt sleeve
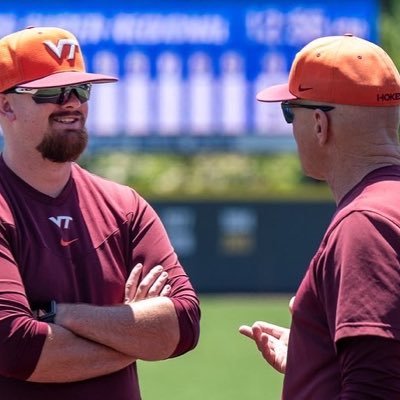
(370, 368)
(151, 246)
(21, 336)
(362, 277)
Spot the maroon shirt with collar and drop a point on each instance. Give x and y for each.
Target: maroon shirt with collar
(77, 247)
(345, 332)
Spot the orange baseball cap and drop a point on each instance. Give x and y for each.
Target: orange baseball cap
(43, 57)
(342, 70)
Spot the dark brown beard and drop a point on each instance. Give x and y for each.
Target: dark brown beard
(63, 146)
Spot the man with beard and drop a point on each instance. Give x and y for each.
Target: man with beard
(89, 282)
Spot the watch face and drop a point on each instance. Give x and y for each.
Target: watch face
(49, 317)
(45, 312)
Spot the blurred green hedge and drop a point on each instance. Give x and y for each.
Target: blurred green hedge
(209, 175)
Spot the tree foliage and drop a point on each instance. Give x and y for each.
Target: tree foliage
(209, 175)
(389, 27)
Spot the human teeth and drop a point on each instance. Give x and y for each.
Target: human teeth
(65, 120)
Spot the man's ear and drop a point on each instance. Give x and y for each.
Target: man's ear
(321, 127)
(6, 110)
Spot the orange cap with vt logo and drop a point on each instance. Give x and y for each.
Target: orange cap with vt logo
(342, 70)
(43, 57)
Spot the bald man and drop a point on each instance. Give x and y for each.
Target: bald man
(343, 99)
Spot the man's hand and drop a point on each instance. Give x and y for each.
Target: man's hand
(151, 285)
(271, 341)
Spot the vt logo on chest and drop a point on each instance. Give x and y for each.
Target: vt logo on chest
(63, 222)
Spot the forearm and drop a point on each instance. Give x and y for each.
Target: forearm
(67, 358)
(146, 330)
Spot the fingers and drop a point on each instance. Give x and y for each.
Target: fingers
(132, 282)
(273, 350)
(266, 348)
(151, 285)
(271, 341)
(265, 345)
(166, 290)
(246, 331)
(271, 329)
(260, 338)
(262, 327)
(263, 342)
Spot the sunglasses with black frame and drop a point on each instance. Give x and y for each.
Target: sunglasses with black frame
(289, 115)
(55, 95)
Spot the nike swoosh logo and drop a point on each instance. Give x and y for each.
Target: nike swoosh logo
(303, 89)
(65, 243)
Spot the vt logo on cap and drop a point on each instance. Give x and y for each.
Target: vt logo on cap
(57, 50)
(43, 57)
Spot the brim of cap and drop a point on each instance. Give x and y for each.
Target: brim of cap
(276, 93)
(67, 78)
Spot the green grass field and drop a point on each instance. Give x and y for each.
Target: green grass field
(225, 365)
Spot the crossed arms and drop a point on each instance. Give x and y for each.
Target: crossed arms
(88, 341)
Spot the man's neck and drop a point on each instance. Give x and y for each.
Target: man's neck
(345, 178)
(43, 175)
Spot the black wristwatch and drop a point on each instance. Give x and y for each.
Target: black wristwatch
(46, 312)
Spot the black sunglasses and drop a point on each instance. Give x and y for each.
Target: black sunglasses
(288, 112)
(56, 95)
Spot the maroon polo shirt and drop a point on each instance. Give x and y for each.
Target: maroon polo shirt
(351, 290)
(77, 247)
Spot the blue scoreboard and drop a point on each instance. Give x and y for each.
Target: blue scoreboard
(191, 68)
